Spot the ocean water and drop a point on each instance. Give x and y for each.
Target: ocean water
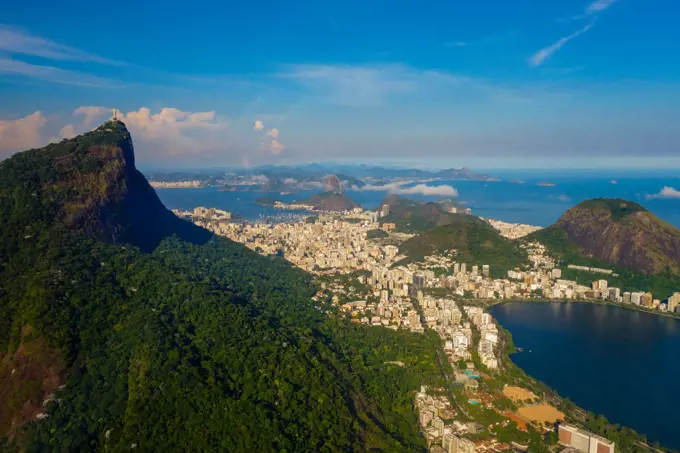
(525, 202)
(609, 360)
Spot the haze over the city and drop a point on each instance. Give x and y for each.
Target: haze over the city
(492, 84)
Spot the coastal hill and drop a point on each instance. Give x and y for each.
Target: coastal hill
(412, 216)
(330, 201)
(121, 325)
(475, 242)
(618, 232)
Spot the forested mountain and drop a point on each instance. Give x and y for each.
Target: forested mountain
(623, 235)
(414, 216)
(122, 327)
(475, 243)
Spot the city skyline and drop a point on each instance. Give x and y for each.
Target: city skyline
(533, 85)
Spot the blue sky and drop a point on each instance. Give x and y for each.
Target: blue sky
(486, 84)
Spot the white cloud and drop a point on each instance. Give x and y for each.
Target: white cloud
(92, 114)
(542, 55)
(666, 192)
(456, 44)
(271, 144)
(258, 126)
(419, 189)
(15, 41)
(68, 131)
(564, 198)
(10, 66)
(174, 132)
(422, 189)
(275, 147)
(21, 134)
(167, 133)
(598, 6)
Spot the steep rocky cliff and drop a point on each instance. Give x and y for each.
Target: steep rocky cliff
(623, 233)
(90, 183)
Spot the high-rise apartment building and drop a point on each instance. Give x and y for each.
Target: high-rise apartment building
(581, 440)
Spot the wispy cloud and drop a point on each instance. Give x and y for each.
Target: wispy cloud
(52, 74)
(542, 55)
(591, 11)
(16, 44)
(351, 85)
(376, 84)
(598, 6)
(16, 41)
(666, 192)
(455, 44)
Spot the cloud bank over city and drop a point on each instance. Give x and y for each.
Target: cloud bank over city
(418, 189)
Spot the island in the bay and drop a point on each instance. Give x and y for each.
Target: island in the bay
(126, 327)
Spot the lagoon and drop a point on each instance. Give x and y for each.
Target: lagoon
(620, 363)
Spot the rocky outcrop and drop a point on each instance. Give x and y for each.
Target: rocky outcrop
(331, 201)
(332, 184)
(94, 186)
(623, 233)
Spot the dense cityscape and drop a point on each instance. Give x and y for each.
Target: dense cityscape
(360, 275)
(338, 243)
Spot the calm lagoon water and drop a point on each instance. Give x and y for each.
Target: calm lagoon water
(620, 363)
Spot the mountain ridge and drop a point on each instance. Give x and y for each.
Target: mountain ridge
(621, 233)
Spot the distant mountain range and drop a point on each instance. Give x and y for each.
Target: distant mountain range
(350, 176)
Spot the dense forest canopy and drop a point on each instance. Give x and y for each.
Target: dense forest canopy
(153, 335)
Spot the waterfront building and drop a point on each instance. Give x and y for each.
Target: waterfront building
(673, 302)
(583, 441)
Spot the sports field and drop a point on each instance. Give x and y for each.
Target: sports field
(540, 413)
(518, 393)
